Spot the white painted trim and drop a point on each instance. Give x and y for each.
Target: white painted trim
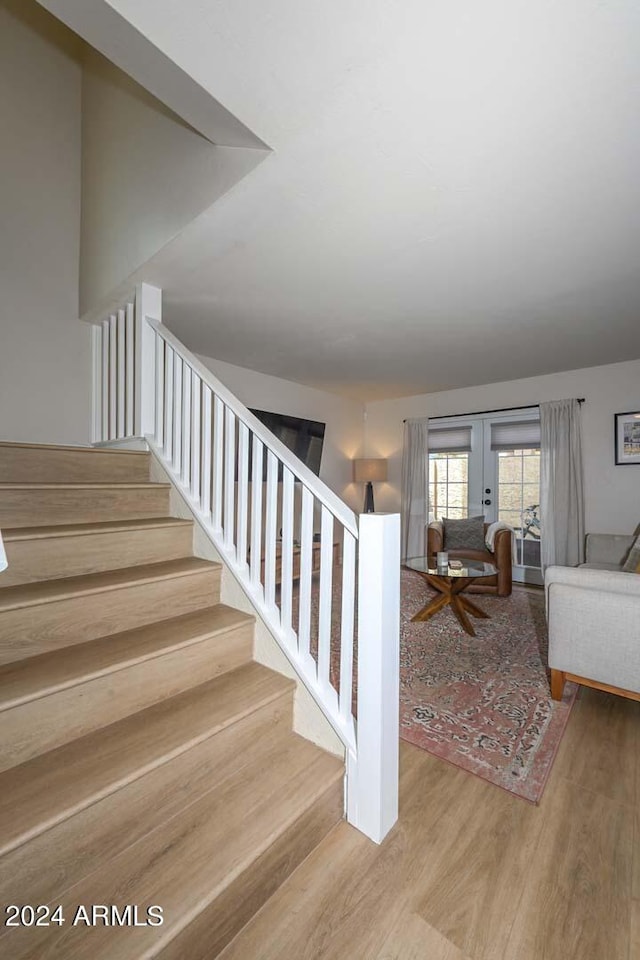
(376, 782)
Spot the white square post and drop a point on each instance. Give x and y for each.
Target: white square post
(148, 307)
(373, 808)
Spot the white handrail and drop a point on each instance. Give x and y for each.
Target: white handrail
(323, 493)
(239, 481)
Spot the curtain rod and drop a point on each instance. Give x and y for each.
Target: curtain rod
(479, 413)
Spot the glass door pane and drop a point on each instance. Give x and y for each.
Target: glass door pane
(448, 485)
(518, 495)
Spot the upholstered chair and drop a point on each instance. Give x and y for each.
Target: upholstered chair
(500, 585)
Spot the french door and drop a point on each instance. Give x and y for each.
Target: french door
(489, 465)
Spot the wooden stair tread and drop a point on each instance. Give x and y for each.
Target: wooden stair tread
(71, 447)
(48, 591)
(13, 534)
(85, 485)
(190, 860)
(52, 786)
(38, 676)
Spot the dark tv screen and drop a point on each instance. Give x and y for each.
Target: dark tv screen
(303, 437)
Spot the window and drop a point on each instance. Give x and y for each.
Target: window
(449, 449)
(448, 485)
(519, 500)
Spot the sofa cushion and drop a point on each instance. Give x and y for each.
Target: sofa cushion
(632, 563)
(600, 566)
(467, 534)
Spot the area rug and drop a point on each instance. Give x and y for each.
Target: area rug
(482, 703)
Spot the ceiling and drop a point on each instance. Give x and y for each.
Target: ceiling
(452, 196)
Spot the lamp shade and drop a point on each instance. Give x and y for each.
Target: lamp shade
(368, 470)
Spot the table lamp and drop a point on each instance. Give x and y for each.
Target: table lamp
(369, 471)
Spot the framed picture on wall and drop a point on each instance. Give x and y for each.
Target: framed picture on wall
(627, 438)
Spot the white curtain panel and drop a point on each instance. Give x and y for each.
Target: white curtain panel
(415, 488)
(561, 484)
(3, 556)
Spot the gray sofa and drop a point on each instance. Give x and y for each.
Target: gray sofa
(593, 614)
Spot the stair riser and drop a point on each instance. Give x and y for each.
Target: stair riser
(28, 631)
(215, 927)
(69, 556)
(32, 728)
(50, 506)
(187, 862)
(61, 465)
(42, 868)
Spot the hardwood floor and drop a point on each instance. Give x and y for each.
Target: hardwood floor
(472, 873)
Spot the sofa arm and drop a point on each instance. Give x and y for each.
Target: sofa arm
(435, 537)
(594, 625)
(607, 547)
(596, 581)
(503, 559)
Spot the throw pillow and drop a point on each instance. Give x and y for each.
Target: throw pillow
(465, 534)
(632, 563)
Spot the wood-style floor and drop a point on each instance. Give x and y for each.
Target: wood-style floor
(472, 873)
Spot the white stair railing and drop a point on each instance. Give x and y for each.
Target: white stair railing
(309, 565)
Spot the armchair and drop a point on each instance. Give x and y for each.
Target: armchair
(500, 585)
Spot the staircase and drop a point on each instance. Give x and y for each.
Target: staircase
(146, 760)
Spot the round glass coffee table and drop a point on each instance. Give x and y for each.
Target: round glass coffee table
(450, 582)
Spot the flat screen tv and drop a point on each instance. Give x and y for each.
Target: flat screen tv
(302, 437)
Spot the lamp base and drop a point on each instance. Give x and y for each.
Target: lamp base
(368, 498)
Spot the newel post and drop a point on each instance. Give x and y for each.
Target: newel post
(148, 307)
(374, 806)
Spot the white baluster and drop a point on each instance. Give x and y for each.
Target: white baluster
(270, 530)
(229, 476)
(96, 383)
(218, 461)
(130, 371)
(106, 331)
(243, 492)
(159, 385)
(186, 425)
(286, 552)
(256, 513)
(169, 366)
(195, 437)
(121, 375)
(177, 420)
(306, 570)
(113, 374)
(326, 587)
(206, 451)
(346, 627)
(148, 306)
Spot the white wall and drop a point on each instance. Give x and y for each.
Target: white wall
(612, 493)
(145, 175)
(343, 436)
(44, 349)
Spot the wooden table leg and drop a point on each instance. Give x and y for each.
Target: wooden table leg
(474, 610)
(432, 607)
(450, 594)
(458, 609)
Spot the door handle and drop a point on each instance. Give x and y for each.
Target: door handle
(487, 503)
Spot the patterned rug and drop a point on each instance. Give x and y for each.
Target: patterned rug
(483, 702)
